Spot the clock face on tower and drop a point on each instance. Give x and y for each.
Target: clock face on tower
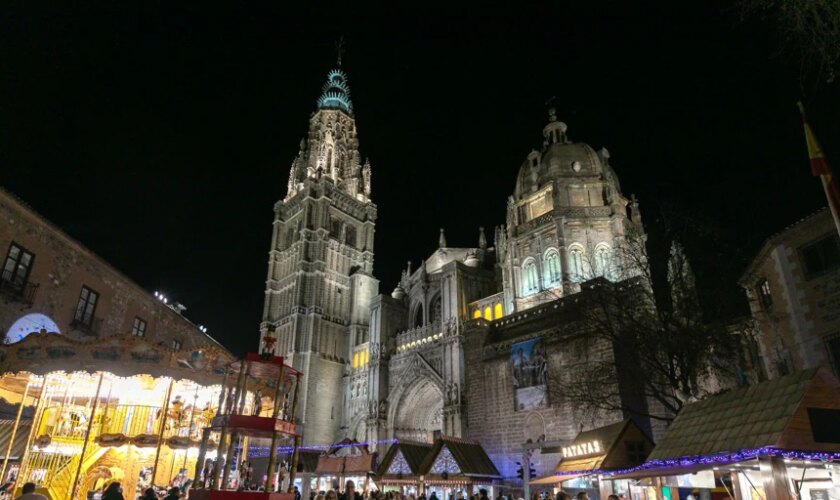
(31, 323)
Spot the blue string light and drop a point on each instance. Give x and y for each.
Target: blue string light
(716, 459)
(263, 451)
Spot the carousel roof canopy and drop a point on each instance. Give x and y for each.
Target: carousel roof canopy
(122, 355)
(794, 412)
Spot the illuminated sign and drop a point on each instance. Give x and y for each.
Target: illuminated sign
(579, 450)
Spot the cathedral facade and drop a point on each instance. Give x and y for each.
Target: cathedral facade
(472, 342)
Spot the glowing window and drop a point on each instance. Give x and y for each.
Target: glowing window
(498, 312)
(531, 280)
(603, 260)
(367, 357)
(356, 360)
(488, 313)
(552, 267)
(476, 314)
(576, 258)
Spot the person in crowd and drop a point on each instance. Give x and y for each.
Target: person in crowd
(331, 495)
(350, 492)
(149, 494)
(562, 495)
(297, 493)
(29, 493)
(174, 494)
(433, 496)
(422, 496)
(482, 494)
(612, 497)
(319, 496)
(582, 496)
(113, 492)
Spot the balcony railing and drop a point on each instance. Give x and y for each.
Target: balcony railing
(92, 327)
(416, 337)
(17, 289)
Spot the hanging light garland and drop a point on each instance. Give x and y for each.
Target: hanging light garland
(716, 459)
(262, 451)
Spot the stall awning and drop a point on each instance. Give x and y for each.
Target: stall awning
(582, 464)
(552, 479)
(330, 465)
(362, 464)
(353, 465)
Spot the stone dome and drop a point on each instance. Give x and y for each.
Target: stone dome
(559, 160)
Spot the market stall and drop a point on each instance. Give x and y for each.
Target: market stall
(777, 440)
(593, 453)
(456, 464)
(400, 468)
(347, 460)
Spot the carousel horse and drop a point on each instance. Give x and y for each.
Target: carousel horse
(175, 414)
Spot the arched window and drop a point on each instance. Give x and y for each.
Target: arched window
(603, 260)
(418, 316)
(531, 280)
(498, 312)
(477, 314)
(551, 268)
(488, 315)
(576, 262)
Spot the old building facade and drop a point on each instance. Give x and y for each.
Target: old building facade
(320, 283)
(473, 342)
(51, 282)
(793, 288)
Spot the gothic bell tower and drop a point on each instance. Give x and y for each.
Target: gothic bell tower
(320, 283)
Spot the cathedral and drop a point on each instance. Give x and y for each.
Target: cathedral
(472, 342)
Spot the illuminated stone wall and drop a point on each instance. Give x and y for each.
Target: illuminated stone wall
(61, 266)
(319, 282)
(799, 320)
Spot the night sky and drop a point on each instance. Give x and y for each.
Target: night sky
(162, 138)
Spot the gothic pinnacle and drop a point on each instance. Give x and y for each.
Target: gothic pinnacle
(482, 240)
(442, 239)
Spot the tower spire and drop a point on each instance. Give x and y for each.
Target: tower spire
(339, 50)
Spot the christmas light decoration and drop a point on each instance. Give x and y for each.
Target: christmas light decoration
(711, 460)
(262, 451)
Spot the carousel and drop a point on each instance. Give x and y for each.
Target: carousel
(115, 409)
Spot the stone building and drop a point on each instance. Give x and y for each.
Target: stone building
(51, 282)
(320, 283)
(473, 342)
(793, 288)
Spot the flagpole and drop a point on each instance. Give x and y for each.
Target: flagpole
(831, 206)
(819, 167)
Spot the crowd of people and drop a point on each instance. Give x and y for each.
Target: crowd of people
(350, 493)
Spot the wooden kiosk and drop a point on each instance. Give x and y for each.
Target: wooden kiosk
(241, 421)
